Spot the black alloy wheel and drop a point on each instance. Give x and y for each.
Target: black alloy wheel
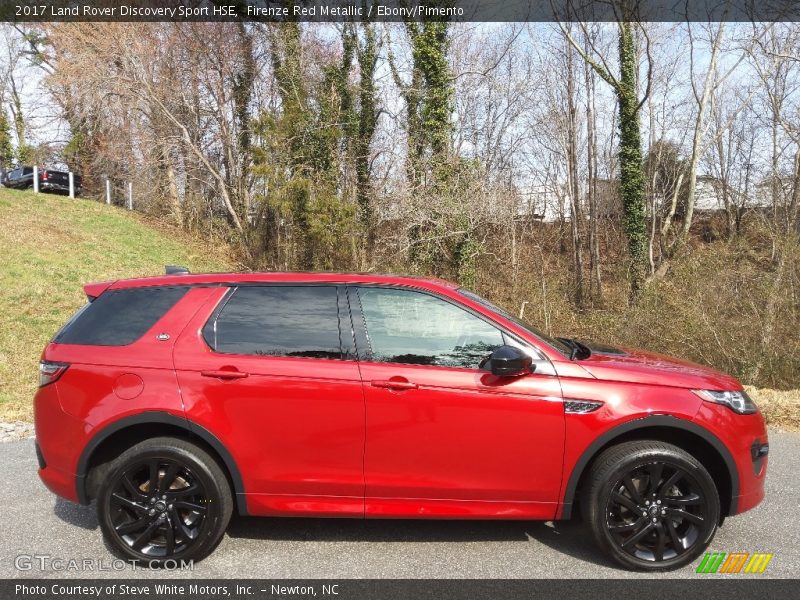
(651, 505)
(158, 507)
(164, 500)
(657, 512)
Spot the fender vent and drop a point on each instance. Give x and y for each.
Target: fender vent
(581, 406)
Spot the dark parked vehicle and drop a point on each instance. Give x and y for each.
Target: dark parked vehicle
(50, 180)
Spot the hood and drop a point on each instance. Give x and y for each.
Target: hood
(639, 366)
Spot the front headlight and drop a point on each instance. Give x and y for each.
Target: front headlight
(738, 402)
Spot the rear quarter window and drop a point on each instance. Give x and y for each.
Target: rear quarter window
(119, 317)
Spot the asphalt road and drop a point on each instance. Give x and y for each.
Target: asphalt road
(34, 522)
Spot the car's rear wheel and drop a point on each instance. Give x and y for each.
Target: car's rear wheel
(162, 500)
(651, 505)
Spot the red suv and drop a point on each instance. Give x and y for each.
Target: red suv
(172, 401)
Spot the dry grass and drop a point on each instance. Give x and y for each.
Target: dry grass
(727, 305)
(780, 408)
(50, 246)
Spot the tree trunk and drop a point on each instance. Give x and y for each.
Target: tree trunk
(595, 283)
(697, 138)
(367, 123)
(794, 202)
(172, 190)
(574, 191)
(630, 158)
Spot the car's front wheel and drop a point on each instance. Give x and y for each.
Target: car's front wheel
(651, 505)
(164, 499)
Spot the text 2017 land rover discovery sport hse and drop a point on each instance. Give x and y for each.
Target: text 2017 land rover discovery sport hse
(173, 401)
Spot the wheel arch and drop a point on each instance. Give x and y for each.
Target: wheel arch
(693, 438)
(150, 424)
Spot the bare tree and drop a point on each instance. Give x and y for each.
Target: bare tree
(626, 88)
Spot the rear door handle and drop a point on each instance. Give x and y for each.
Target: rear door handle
(394, 384)
(224, 374)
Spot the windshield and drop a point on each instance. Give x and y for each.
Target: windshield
(557, 344)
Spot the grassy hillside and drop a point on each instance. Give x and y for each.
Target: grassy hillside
(49, 247)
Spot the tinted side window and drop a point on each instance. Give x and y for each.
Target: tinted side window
(416, 328)
(119, 317)
(27, 171)
(278, 321)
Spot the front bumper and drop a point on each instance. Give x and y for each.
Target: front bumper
(753, 492)
(745, 437)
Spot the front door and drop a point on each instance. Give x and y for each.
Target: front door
(444, 437)
(271, 372)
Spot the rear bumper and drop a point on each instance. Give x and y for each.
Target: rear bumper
(61, 483)
(58, 441)
(55, 187)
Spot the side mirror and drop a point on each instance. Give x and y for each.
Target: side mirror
(508, 361)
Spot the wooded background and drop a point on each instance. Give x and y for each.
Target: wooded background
(633, 182)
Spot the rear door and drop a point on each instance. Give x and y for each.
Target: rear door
(271, 371)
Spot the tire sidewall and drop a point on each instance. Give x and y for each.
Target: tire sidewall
(211, 530)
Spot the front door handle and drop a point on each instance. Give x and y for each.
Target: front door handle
(394, 384)
(224, 374)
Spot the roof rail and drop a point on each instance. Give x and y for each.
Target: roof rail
(176, 270)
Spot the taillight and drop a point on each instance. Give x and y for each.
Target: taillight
(44, 175)
(49, 372)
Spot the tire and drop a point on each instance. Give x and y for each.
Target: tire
(650, 505)
(164, 500)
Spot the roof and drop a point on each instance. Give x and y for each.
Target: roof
(272, 277)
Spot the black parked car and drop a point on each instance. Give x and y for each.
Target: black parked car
(50, 180)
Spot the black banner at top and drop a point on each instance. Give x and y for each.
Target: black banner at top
(398, 10)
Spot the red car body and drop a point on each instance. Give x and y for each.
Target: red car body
(353, 438)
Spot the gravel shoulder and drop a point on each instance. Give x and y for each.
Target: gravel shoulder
(16, 430)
